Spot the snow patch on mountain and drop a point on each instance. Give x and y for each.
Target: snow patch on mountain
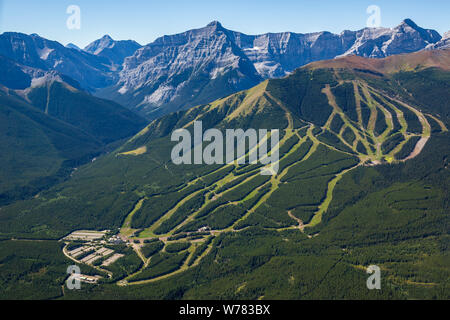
(123, 90)
(161, 95)
(44, 52)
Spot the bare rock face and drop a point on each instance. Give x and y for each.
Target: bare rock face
(444, 43)
(277, 54)
(199, 66)
(408, 37)
(186, 69)
(183, 70)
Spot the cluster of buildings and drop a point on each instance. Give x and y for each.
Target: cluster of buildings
(94, 248)
(116, 240)
(92, 254)
(87, 236)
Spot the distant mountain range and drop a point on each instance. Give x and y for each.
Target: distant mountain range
(195, 67)
(89, 70)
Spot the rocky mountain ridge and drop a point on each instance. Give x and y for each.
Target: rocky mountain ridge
(195, 67)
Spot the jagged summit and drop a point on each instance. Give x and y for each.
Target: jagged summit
(115, 51)
(410, 23)
(409, 26)
(37, 52)
(196, 66)
(107, 37)
(73, 46)
(161, 74)
(444, 43)
(215, 23)
(98, 45)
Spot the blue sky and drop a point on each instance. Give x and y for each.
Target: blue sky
(144, 21)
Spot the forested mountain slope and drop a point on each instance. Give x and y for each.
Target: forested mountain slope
(363, 179)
